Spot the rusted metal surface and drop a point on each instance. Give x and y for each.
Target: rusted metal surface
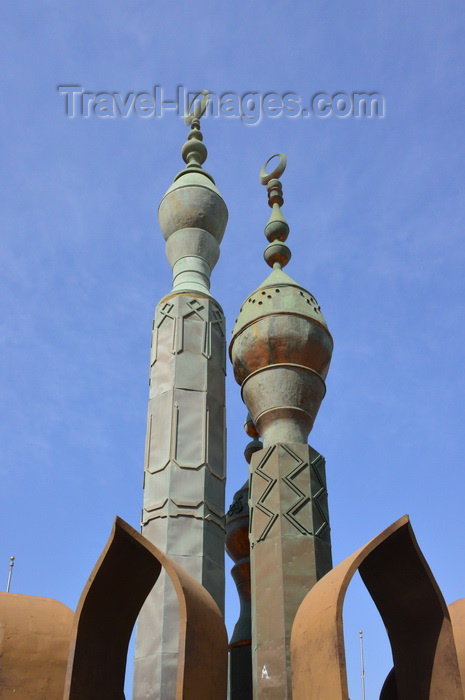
(123, 576)
(34, 643)
(291, 550)
(457, 617)
(281, 350)
(414, 613)
(238, 548)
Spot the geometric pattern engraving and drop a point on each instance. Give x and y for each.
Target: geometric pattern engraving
(193, 313)
(309, 513)
(178, 346)
(165, 312)
(218, 320)
(169, 330)
(319, 497)
(158, 444)
(288, 493)
(291, 486)
(298, 480)
(187, 309)
(185, 466)
(189, 429)
(196, 306)
(261, 515)
(183, 428)
(176, 508)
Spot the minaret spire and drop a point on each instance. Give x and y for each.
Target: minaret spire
(192, 214)
(184, 476)
(277, 254)
(194, 151)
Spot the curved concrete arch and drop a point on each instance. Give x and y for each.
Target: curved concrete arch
(34, 645)
(110, 602)
(413, 610)
(457, 618)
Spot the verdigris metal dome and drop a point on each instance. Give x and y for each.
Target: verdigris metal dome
(193, 201)
(281, 347)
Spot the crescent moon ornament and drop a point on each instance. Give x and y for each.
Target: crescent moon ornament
(199, 110)
(278, 170)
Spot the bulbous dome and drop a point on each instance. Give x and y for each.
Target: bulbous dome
(281, 351)
(193, 202)
(237, 543)
(280, 322)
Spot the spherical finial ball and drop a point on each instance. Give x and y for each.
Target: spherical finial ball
(195, 150)
(277, 229)
(237, 525)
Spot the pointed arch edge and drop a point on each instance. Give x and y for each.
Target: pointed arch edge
(390, 562)
(107, 610)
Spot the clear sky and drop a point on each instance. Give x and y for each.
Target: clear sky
(377, 217)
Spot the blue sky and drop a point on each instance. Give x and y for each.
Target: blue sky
(377, 219)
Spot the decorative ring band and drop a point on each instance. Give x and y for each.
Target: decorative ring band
(285, 365)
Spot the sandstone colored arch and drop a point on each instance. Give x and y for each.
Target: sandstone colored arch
(34, 643)
(457, 616)
(110, 602)
(413, 610)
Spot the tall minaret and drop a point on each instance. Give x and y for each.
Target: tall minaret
(281, 350)
(184, 477)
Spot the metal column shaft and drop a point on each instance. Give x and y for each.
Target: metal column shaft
(290, 551)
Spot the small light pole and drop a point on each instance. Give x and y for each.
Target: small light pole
(362, 664)
(12, 563)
